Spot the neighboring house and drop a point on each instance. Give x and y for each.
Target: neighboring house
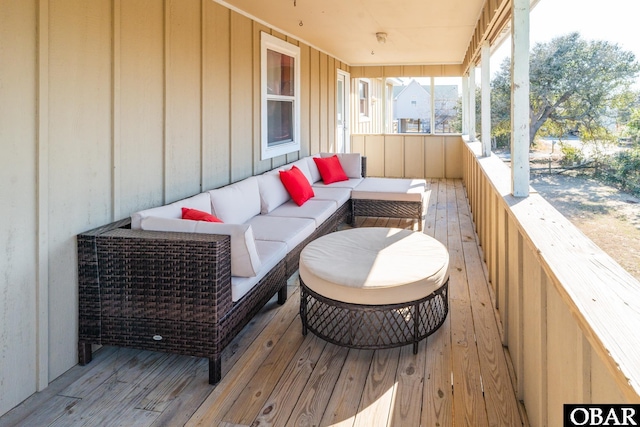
(412, 108)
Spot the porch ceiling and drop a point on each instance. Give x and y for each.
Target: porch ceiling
(418, 31)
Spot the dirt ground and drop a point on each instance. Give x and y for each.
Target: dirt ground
(609, 217)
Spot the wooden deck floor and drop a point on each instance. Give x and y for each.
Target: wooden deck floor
(275, 376)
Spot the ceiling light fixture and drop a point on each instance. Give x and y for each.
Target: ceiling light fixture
(382, 37)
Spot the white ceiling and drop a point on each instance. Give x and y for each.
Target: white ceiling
(418, 31)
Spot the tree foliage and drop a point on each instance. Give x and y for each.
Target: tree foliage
(575, 84)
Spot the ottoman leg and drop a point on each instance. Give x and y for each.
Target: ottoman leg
(416, 327)
(303, 311)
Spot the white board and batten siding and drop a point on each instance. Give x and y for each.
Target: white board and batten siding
(108, 107)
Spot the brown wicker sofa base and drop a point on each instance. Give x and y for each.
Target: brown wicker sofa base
(372, 326)
(170, 292)
(387, 209)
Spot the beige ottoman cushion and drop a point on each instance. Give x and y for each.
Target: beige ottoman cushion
(395, 189)
(374, 266)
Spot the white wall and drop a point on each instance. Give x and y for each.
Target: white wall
(107, 107)
(18, 201)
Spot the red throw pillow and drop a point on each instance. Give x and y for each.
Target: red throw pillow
(197, 215)
(297, 185)
(330, 169)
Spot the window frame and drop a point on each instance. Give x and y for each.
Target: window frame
(268, 151)
(364, 116)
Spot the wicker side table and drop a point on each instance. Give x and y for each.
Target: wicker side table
(374, 288)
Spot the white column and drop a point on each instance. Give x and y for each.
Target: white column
(465, 105)
(486, 100)
(520, 98)
(472, 103)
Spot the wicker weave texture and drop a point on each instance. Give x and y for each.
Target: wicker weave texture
(388, 209)
(373, 326)
(159, 291)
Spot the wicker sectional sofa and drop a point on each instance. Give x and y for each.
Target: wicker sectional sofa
(160, 283)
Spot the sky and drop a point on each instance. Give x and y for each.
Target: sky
(615, 21)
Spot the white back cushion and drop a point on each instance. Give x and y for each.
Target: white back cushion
(201, 202)
(313, 169)
(303, 165)
(272, 192)
(238, 202)
(350, 162)
(245, 261)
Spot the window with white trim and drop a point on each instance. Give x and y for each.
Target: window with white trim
(280, 96)
(365, 98)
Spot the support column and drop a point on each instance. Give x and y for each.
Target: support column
(465, 105)
(520, 98)
(472, 102)
(485, 136)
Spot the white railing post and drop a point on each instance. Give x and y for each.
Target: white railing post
(465, 105)
(486, 99)
(520, 98)
(472, 103)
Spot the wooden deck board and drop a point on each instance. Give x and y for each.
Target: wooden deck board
(377, 397)
(469, 406)
(438, 394)
(407, 402)
(314, 399)
(493, 365)
(274, 376)
(347, 393)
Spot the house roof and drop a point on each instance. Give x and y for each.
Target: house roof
(441, 91)
(418, 31)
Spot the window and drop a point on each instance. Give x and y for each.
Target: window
(280, 75)
(426, 104)
(447, 105)
(365, 98)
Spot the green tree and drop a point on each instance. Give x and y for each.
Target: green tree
(574, 85)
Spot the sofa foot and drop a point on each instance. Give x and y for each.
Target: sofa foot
(282, 295)
(215, 370)
(84, 353)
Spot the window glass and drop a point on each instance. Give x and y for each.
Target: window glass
(415, 109)
(280, 122)
(447, 105)
(364, 98)
(280, 74)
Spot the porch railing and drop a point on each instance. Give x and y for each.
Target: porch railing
(570, 313)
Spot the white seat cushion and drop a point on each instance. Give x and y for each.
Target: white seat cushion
(201, 202)
(318, 210)
(270, 255)
(395, 189)
(291, 231)
(373, 265)
(238, 202)
(245, 261)
(338, 195)
(351, 183)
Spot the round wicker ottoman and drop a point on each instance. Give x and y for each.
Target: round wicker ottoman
(374, 288)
